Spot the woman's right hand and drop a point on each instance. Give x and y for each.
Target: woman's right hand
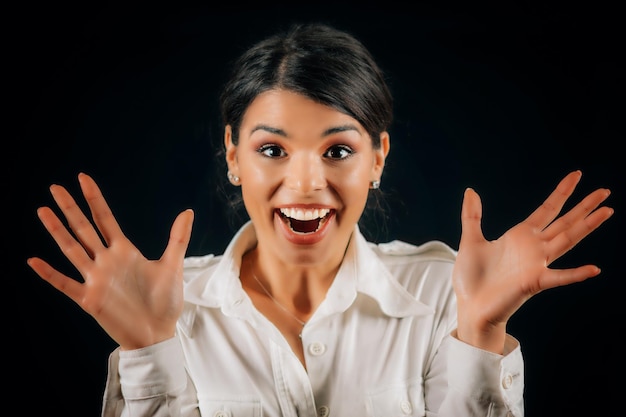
(137, 301)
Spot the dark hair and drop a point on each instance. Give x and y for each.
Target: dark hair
(320, 62)
(317, 61)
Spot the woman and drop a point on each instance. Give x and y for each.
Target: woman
(301, 315)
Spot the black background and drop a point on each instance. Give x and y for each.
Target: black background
(506, 99)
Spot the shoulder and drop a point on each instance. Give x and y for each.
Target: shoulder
(397, 251)
(194, 266)
(424, 270)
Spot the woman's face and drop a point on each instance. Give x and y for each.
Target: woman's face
(305, 172)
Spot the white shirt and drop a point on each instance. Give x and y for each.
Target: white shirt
(380, 344)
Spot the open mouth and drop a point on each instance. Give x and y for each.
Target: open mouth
(304, 221)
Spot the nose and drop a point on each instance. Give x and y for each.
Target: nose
(305, 173)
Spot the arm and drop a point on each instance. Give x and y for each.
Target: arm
(482, 365)
(156, 383)
(467, 381)
(136, 301)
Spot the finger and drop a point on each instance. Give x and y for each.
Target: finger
(68, 286)
(77, 221)
(552, 206)
(570, 237)
(578, 213)
(560, 277)
(180, 235)
(471, 215)
(71, 248)
(100, 211)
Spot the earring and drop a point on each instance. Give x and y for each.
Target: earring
(233, 178)
(375, 185)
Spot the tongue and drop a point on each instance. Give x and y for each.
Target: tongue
(304, 226)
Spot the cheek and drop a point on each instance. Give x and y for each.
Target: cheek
(254, 171)
(352, 185)
(258, 182)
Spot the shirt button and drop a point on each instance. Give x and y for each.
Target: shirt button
(406, 407)
(507, 381)
(323, 411)
(221, 414)
(317, 349)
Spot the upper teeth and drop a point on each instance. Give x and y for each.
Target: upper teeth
(304, 214)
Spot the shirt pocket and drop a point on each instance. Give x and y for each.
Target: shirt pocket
(405, 399)
(230, 407)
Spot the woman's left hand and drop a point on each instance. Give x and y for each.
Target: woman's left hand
(492, 279)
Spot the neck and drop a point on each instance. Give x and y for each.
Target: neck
(288, 281)
(298, 289)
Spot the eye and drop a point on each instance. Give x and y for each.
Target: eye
(272, 151)
(339, 152)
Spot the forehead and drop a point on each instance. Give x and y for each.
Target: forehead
(290, 111)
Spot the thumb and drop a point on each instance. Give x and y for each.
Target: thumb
(471, 216)
(180, 234)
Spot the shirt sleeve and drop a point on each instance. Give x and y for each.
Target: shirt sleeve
(482, 383)
(151, 381)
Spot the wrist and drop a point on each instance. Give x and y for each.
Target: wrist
(486, 337)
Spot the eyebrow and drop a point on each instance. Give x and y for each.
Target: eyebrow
(327, 132)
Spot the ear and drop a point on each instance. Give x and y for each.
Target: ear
(231, 151)
(380, 155)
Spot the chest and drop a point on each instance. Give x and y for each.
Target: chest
(360, 361)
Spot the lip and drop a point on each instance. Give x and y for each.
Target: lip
(305, 206)
(303, 239)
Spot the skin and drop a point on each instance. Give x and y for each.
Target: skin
(137, 300)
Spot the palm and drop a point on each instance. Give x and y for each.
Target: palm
(122, 284)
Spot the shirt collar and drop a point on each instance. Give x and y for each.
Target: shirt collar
(362, 272)
(215, 286)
